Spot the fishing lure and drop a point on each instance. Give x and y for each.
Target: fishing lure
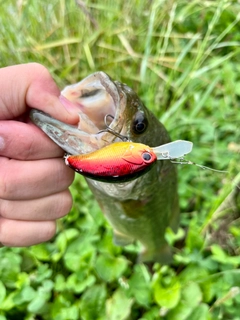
(124, 161)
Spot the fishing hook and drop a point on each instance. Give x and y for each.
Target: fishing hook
(110, 130)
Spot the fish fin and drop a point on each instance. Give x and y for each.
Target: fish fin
(121, 239)
(175, 217)
(163, 255)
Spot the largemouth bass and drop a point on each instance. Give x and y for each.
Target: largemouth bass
(139, 209)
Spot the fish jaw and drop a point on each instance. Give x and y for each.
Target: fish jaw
(92, 99)
(95, 96)
(68, 137)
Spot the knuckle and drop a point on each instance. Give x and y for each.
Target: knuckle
(3, 188)
(29, 150)
(4, 208)
(6, 187)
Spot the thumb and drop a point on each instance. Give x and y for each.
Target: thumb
(30, 85)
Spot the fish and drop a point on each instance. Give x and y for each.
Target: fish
(110, 112)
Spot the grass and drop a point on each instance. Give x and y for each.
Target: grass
(182, 57)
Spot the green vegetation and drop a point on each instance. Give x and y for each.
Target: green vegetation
(182, 57)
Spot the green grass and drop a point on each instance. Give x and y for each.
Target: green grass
(182, 57)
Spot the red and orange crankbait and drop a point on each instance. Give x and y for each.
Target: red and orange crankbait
(116, 162)
(124, 161)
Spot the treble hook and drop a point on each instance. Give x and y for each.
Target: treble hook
(110, 130)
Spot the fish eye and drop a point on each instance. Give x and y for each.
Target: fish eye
(146, 156)
(140, 123)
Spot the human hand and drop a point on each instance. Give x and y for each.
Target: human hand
(34, 180)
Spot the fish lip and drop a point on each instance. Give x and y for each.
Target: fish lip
(65, 135)
(69, 137)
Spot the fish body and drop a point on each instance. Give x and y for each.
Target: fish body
(139, 209)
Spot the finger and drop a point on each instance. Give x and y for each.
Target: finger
(48, 208)
(26, 180)
(15, 233)
(26, 142)
(30, 85)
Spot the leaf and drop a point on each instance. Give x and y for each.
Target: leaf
(61, 242)
(9, 275)
(9, 302)
(220, 256)
(191, 294)
(180, 312)
(114, 306)
(194, 238)
(139, 285)
(207, 288)
(62, 301)
(93, 302)
(69, 313)
(199, 313)
(2, 293)
(28, 293)
(167, 296)
(43, 272)
(41, 252)
(59, 283)
(36, 304)
(80, 252)
(152, 314)
(23, 280)
(193, 272)
(79, 282)
(41, 297)
(110, 268)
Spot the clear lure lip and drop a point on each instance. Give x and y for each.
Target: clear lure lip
(173, 150)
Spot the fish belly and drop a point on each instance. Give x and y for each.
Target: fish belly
(142, 210)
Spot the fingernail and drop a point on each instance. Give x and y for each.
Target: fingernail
(2, 143)
(65, 102)
(71, 108)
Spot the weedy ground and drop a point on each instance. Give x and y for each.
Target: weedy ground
(182, 57)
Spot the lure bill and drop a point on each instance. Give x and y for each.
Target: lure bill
(173, 150)
(124, 161)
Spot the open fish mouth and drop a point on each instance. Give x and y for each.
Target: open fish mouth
(100, 103)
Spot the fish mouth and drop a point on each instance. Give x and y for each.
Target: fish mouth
(100, 104)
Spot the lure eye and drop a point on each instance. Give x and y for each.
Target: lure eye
(146, 156)
(140, 123)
